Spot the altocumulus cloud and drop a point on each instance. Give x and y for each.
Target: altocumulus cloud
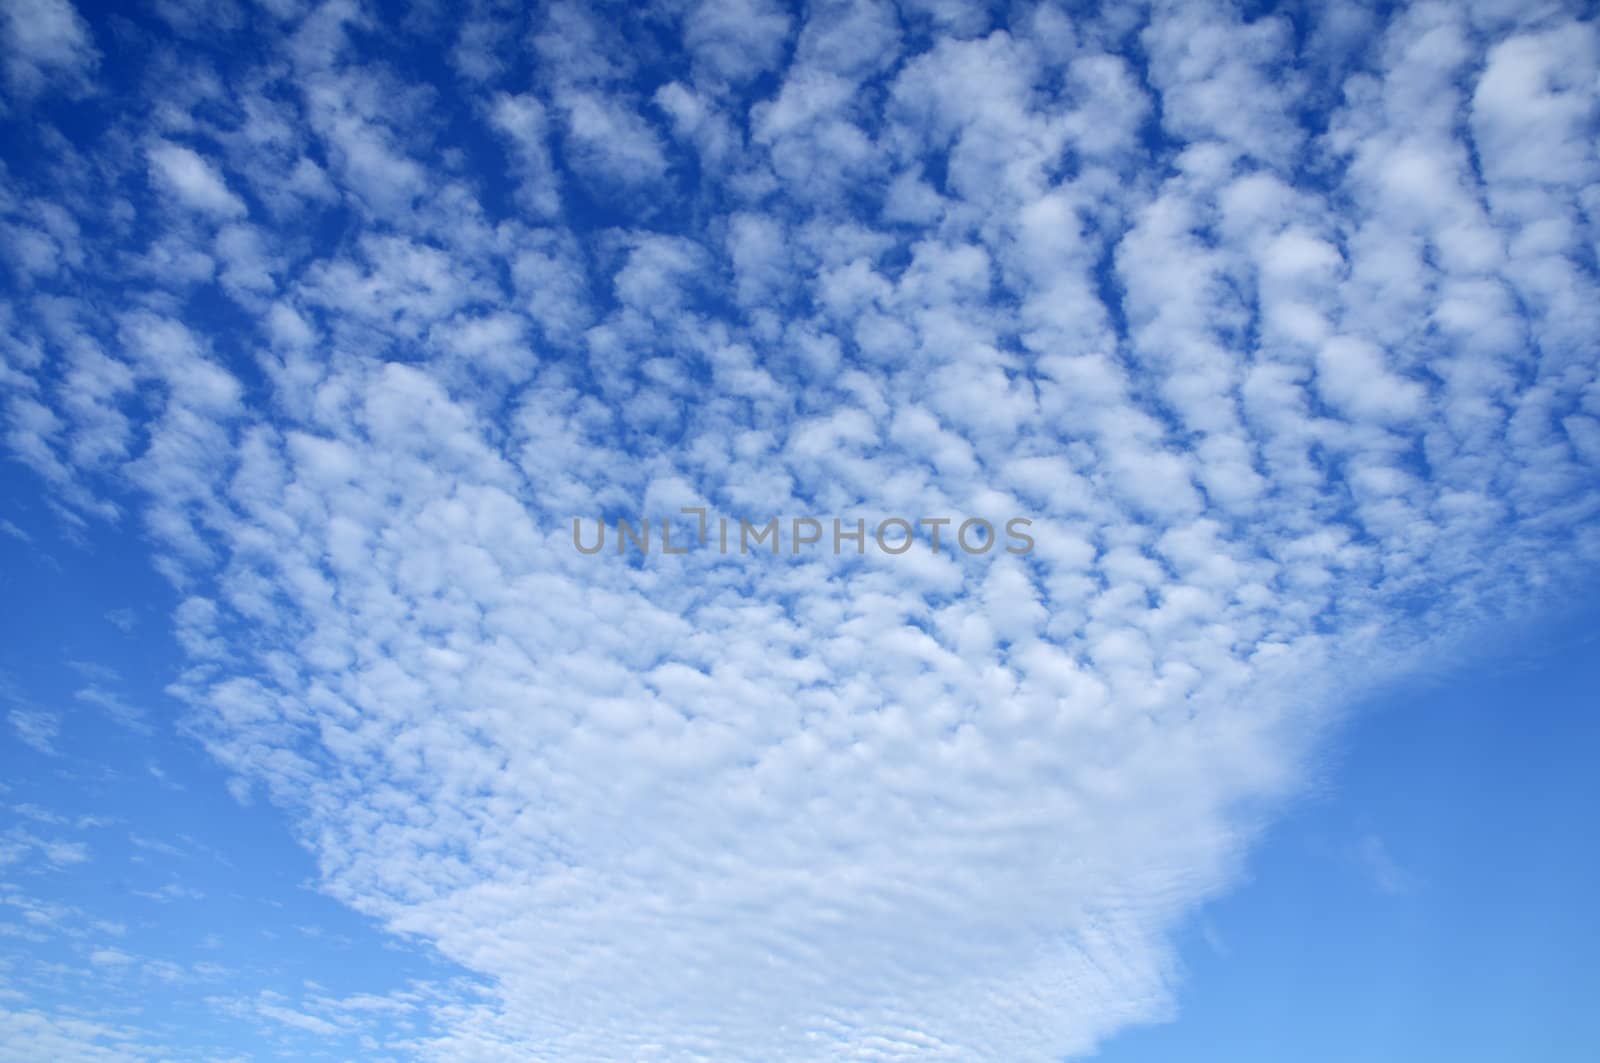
(1282, 328)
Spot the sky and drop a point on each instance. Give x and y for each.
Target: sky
(321, 325)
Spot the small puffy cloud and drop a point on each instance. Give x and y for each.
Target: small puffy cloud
(1535, 110)
(1351, 375)
(736, 39)
(610, 141)
(46, 41)
(195, 183)
(522, 121)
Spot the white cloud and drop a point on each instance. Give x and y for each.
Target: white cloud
(46, 40)
(114, 706)
(736, 39)
(1535, 108)
(28, 1036)
(196, 182)
(610, 141)
(110, 958)
(522, 121)
(36, 728)
(1387, 876)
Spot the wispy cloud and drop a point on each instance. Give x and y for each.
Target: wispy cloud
(36, 727)
(115, 707)
(1386, 874)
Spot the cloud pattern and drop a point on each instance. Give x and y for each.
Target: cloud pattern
(1280, 326)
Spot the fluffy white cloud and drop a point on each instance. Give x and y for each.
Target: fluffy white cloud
(46, 40)
(610, 141)
(194, 181)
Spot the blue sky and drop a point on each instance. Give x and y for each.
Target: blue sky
(321, 324)
(1428, 899)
